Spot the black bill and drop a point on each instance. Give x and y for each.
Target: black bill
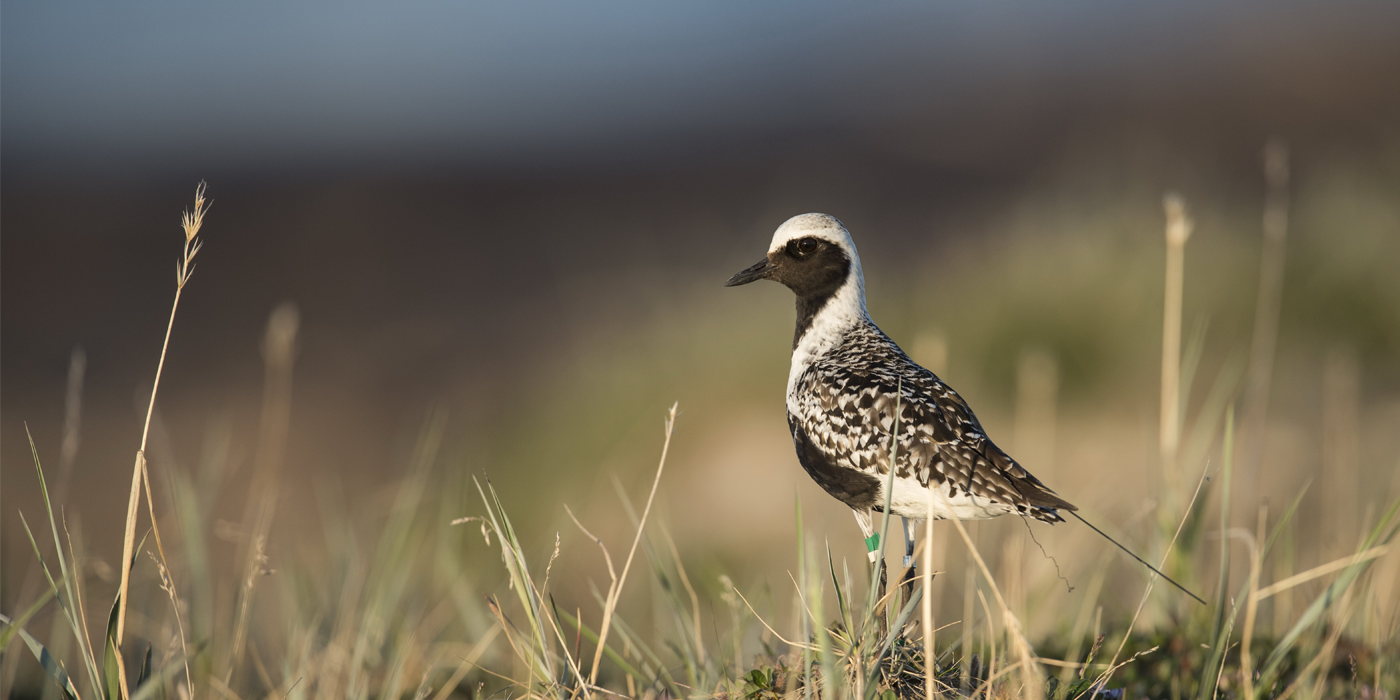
(752, 273)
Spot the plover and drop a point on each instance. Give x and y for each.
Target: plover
(848, 380)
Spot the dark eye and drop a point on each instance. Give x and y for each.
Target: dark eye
(806, 246)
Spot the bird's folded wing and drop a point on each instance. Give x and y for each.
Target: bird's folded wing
(850, 415)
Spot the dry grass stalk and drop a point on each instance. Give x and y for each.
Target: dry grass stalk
(169, 588)
(930, 657)
(539, 592)
(801, 600)
(1266, 314)
(240, 630)
(1029, 670)
(1323, 657)
(78, 592)
(1151, 579)
(1256, 563)
(1178, 231)
(1323, 570)
(279, 352)
(690, 590)
(969, 583)
(991, 646)
(615, 589)
(191, 222)
(72, 420)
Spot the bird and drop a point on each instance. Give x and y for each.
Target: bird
(855, 400)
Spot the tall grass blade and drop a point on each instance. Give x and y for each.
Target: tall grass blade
(1382, 533)
(52, 666)
(616, 589)
(13, 626)
(877, 575)
(75, 620)
(519, 572)
(112, 670)
(1283, 521)
(154, 687)
(900, 621)
(1221, 627)
(592, 637)
(191, 222)
(830, 680)
(841, 601)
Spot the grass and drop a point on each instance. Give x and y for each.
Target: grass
(395, 599)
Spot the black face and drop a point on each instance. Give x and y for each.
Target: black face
(814, 269)
(809, 266)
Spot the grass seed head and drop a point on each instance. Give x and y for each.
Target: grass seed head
(1179, 225)
(191, 221)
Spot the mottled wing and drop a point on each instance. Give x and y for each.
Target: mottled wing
(846, 404)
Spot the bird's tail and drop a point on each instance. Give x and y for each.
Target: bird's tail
(1045, 506)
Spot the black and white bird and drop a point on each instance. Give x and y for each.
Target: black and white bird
(846, 380)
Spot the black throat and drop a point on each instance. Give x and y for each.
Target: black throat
(814, 269)
(815, 288)
(807, 310)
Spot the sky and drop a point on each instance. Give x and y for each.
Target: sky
(159, 84)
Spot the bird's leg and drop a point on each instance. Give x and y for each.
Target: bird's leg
(867, 530)
(872, 546)
(910, 566)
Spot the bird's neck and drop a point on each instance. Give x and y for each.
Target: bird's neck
(822, 321)
(826, 315)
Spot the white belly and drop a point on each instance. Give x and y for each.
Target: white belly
(911, 500)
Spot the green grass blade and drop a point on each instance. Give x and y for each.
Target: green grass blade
(1383, 533)
(48, 508)
(52, 666)
(1190, 361)
(111, 666)
(1221, 626)
(88, 660)
(1283, 521)
(840, 594)
(1212, 411)
(156, 682)
(807, 622)
(902, 619)
(519, 572)
(608, 651)
(68, 613)
(652, 664)
(145, 667)
(13, 625)
(879, 569)
(825, 653)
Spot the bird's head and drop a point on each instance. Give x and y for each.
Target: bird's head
(812, 255)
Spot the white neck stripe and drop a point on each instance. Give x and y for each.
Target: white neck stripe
(843, 311)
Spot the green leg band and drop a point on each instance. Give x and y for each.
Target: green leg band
(872, 542)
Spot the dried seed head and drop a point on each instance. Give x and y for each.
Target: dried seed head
(191, 221)
(1179, 225)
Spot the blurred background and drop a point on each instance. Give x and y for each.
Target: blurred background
(513, 221)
